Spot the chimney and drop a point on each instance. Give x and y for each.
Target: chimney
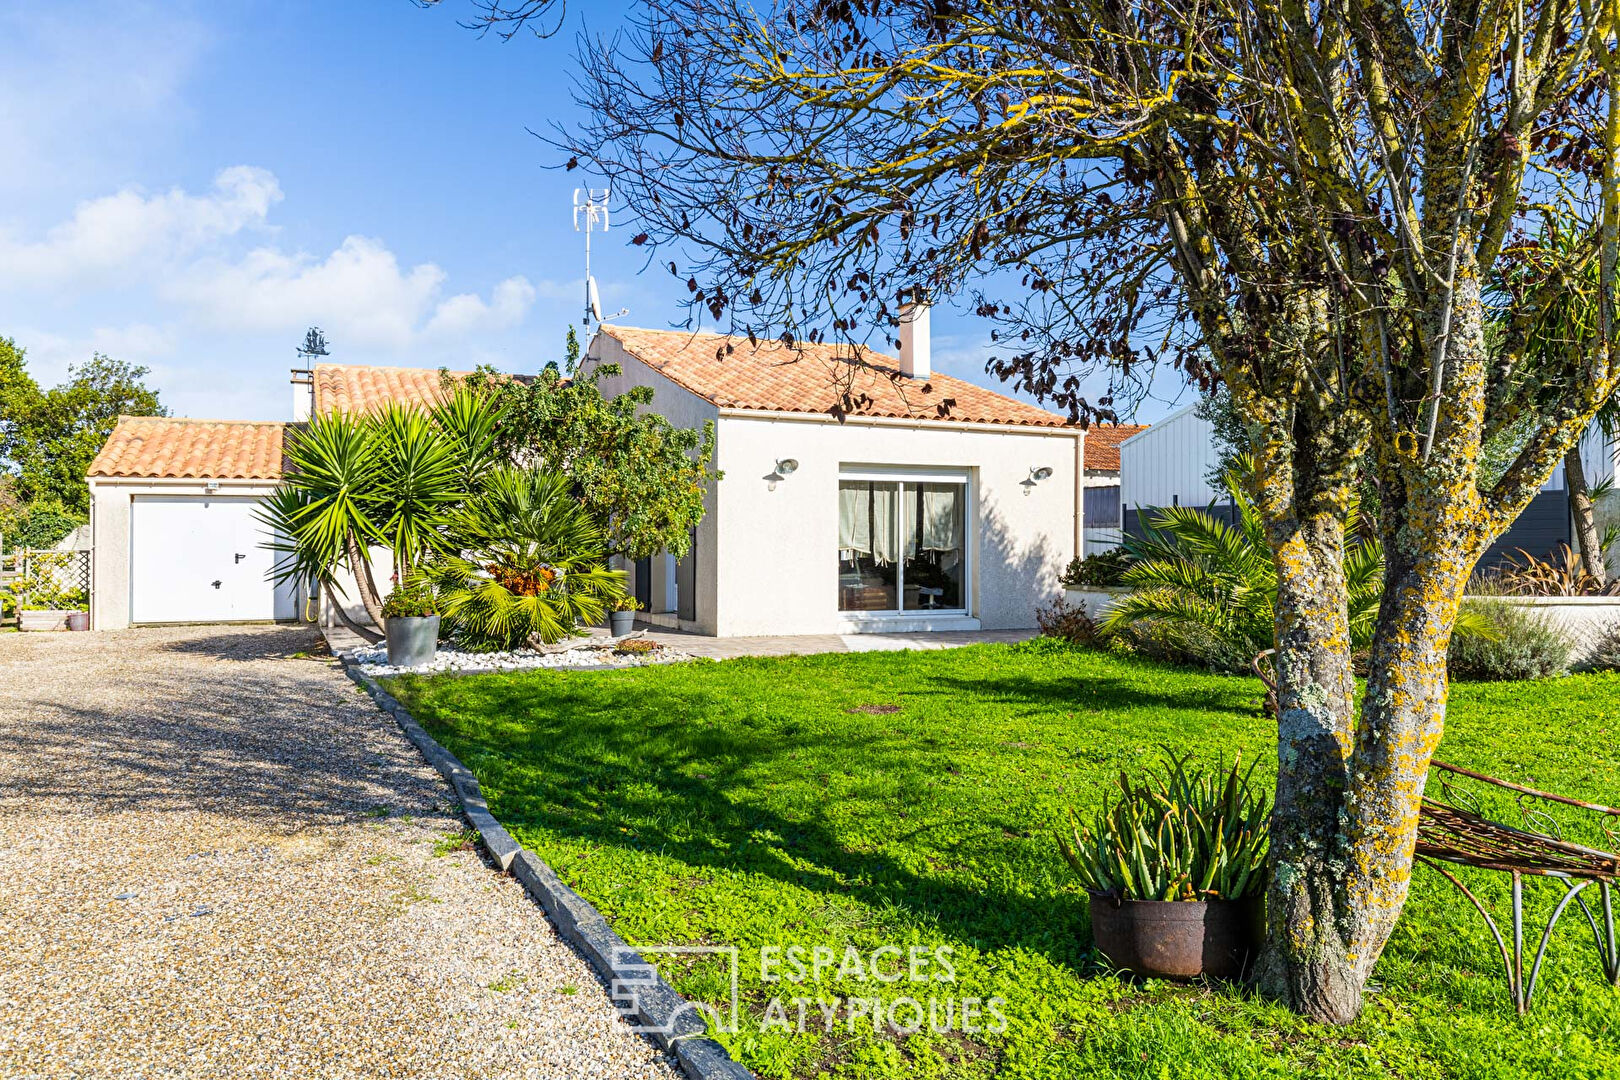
(916, 354)
(303, 390)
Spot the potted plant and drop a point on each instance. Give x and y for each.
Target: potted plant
(622, 618)
(411, 621)
(1176, 871)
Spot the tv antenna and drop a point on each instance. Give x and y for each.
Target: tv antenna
(592, 206)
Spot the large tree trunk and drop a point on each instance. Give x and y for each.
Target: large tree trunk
(1305, 963)
(1584, 515)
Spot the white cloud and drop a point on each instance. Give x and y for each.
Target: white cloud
(50, 355)
(468, 313)
(117, 234)
(359, 291)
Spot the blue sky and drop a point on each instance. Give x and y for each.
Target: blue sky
(188, 186)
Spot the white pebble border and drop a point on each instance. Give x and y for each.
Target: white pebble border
(374, 660)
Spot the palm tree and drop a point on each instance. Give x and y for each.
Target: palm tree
(1192, 572)
(532, 564)
(394, 479)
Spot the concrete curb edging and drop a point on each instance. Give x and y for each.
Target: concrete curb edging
(672, 1022)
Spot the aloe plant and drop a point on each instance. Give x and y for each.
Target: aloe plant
(1185, 834)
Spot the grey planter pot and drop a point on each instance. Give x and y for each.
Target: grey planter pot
(621, 623)
(50, 619)
(412, 642)
(79, 620)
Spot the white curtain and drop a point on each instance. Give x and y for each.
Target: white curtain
(866, 520)
(941, 517)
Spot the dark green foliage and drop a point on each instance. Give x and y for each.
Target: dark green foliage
(785, 801)
(40, 526)
(1527, 645)
(641, 478)
(1070, 624)
(1181, 835)
(1100, 570)
(49, 437)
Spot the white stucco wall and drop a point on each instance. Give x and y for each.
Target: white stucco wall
(111, 506)
(778, 550)
(683, 409)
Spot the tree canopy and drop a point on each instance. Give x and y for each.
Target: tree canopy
(642, 478)
(49, 437)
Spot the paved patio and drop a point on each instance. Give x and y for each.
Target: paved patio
(220, 859)
(730, 648)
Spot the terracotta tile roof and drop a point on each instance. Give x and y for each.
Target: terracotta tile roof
(1102, 444)
(363, 388)
(811, 379)
(161, 446)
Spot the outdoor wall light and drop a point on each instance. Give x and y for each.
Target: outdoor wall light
(211, 486)
(1036, 475)
(785, 468)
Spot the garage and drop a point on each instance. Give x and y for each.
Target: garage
(202, 559)
(176, 539)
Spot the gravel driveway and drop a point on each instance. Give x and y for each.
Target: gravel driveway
(218, 859)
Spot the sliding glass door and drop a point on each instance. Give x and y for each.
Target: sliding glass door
(902, 545)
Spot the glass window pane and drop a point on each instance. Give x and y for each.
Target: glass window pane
(867, 548)
(935, 529)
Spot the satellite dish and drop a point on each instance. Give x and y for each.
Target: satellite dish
(593, 302)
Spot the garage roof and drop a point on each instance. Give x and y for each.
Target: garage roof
(171, 447)
(812, 378)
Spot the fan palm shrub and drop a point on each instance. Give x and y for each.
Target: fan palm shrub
(1211, 586)
(531, 564)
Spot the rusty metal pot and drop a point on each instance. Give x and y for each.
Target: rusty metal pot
(1178, 939)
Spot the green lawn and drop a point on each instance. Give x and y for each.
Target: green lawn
(777, 802)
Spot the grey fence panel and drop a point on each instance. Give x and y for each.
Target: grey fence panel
(1540, 530)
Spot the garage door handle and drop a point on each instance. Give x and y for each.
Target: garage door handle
(216, 584)
(240, 557)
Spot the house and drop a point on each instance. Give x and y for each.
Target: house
(932, 504)
(1103, 511)
(1174, 462)
(173, 506)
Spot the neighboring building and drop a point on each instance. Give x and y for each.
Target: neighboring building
(1172, 462)
(934, 505)
(1103, 511)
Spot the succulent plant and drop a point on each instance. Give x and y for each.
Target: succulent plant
(1183, 834)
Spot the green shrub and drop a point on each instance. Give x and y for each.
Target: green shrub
(1183, 835)
(1527, 645)
(1096, 571)
(1070, 624)
(410, 602)
(41, 527)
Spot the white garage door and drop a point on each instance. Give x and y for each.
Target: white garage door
(200, 559)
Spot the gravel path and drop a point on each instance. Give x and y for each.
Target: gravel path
(218, 859)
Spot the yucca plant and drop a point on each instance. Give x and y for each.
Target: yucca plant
(532, 564)
(1185, 834)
